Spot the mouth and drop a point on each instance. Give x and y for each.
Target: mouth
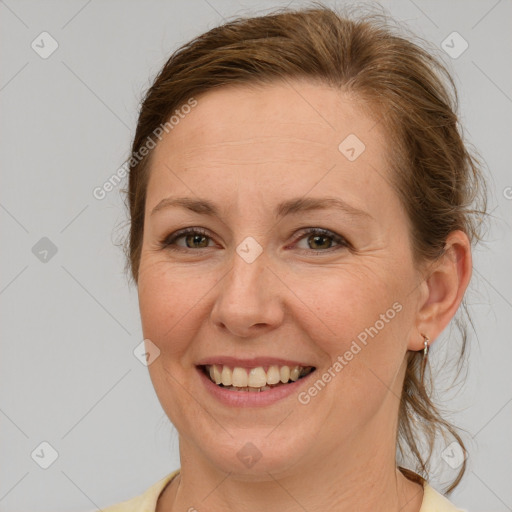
(254, 380)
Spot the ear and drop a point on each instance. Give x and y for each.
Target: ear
(443, 288)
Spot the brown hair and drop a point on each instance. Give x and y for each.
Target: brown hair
(436, 177)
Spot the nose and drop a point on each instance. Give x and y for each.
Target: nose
(249, 300)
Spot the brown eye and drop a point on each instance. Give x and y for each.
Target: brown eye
(195, 238)
(321, 240)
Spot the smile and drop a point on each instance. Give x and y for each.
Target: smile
(257, 379)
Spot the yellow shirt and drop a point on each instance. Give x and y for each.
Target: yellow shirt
(146, 502)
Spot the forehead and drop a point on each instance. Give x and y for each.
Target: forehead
(300, 110)
(276, 138)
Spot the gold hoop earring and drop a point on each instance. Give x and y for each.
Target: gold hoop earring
(426, 339)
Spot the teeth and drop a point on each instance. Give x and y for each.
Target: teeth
(253, 390)
(217, 377)
(255, 379)
(273, 375)
(226, 376)
(295, 373)
(239, 378)
(285, 374)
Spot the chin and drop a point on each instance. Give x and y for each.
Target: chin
(255, 454)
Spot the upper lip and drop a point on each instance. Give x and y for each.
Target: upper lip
(250, 363)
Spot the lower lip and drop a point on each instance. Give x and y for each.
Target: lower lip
(252, 398)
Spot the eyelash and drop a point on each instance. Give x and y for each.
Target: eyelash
(169, 241)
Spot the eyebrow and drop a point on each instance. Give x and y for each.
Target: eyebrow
(289, 207)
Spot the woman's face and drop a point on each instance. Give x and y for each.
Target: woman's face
(255, 289)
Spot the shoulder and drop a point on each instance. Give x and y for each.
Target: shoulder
(433, 501)
(145, 502)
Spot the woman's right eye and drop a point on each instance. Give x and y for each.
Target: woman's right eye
(190, 235)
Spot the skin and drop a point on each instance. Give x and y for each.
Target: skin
(246, 149)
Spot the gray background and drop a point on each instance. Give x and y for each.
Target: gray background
(70, 324)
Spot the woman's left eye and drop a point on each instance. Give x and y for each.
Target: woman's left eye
(315, 237)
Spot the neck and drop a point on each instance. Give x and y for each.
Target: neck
(366, 486)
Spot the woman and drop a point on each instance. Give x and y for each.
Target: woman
(300, 201)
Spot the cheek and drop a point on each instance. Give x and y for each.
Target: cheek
(359, 316)
(171, 299)
(159, 306)
(344, 301)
